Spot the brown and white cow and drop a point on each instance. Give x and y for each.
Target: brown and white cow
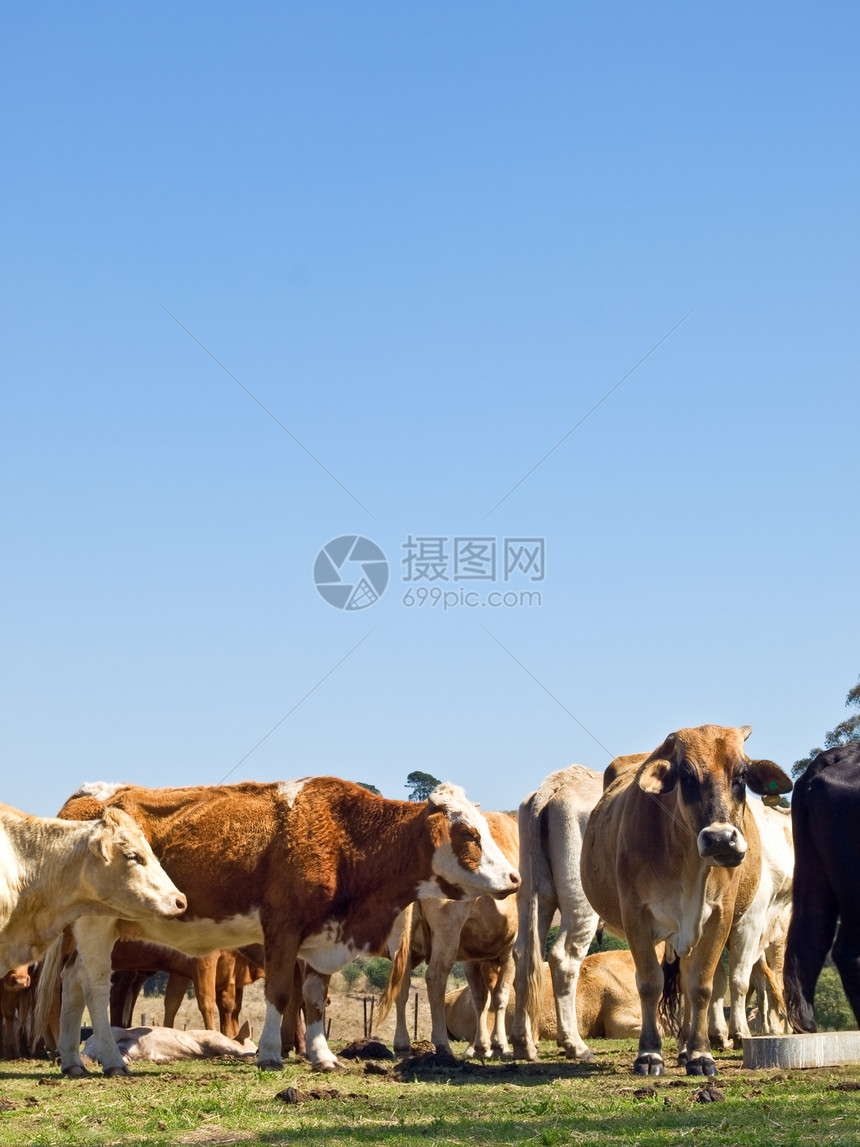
(552, 823)
(672, 853)
(53, 871)
(478, 932)
(317, 868)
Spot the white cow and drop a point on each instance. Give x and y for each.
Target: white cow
(552, 823)
(757, 938)
(53, 871)
(161, 1045)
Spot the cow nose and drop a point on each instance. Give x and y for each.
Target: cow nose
(179, 903)
(723, 844)
(515, 880)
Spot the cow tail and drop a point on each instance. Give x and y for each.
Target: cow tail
(400, 966)
(532, 979)
(47, 991)
(669, 1009)
(773, 988)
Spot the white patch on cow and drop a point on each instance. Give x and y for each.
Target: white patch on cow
(493, 874)
(101, 790)
(201, 936)
(428, 890)
(318, 1050)
(681, 918)
(289, 790)
(327, 951)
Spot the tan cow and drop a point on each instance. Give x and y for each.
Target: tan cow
(607, 1002)
(314, 869)
(478, 932)
(53, 871)
(672, 853)
(552, 823)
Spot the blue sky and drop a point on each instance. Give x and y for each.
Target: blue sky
(428, 239)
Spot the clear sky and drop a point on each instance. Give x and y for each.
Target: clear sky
(428, 239)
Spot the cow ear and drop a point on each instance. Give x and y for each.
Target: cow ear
(657, 777)
(746, 730)
(767, 779)
(98, 845)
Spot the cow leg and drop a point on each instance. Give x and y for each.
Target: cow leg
(700, 979)
(9, 1010)
(846, 957)
(71, 1015)
(316, 997)
(500, 993)
(439, 968)
(649, 982)
(174, 994)
(535, 919)
(95, 937)
(718, 1032)
(205, 968)
(578, 926)
(480, 995)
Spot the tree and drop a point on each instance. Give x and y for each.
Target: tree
(370, 788)
(846, 733)
(420, 785)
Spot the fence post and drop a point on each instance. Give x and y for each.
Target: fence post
(416, 1017)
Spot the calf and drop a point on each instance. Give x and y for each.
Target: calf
(478, 932)
(161, 1045)
(316, 869)
(672, 853)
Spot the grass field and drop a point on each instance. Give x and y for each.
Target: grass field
(552, 1102)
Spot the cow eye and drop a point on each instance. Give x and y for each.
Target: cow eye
(135, 858)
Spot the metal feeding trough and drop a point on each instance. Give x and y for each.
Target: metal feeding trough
(816, 1049)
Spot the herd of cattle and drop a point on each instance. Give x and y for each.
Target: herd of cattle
(298, 878)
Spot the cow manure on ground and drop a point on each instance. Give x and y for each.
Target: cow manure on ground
(292, 1095)
(845, 1085)
(7, 1105)
(709, 1094)
(366, 1049)
(377, 1069)
(429, 1061)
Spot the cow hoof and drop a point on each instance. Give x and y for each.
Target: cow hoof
(701, 1065)
(648, 1064)
(270, 1064)
(587, 1056)
(115, 1072)
(328, 1066)
(76, 1071)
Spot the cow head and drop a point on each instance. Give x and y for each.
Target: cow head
(467, 862)
(123, 873)
(709, 772)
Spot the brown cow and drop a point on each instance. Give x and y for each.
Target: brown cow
(607, 1003)
(672, 853)
(14, 989)
(441, 932)
(316, 869)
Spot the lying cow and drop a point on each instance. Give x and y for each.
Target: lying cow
(54, 871)
(316, 869)
(672, 853)
(607, 1003)
(161, 1045)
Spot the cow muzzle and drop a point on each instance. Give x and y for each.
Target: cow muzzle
(722, 845)
(514, 880)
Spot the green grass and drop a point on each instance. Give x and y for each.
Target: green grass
(553, 1102)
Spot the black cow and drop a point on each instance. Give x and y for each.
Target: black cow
(825, 814)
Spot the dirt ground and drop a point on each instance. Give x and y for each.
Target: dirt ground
(346, 1012)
